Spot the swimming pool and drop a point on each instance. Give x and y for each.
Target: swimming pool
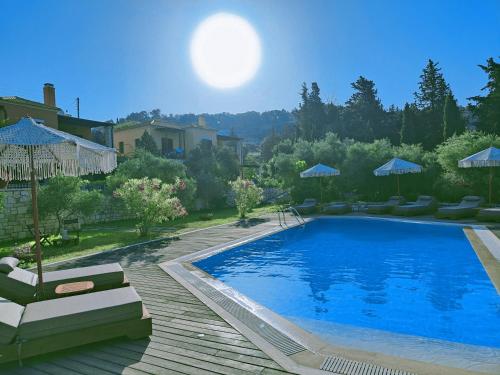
(404, 278)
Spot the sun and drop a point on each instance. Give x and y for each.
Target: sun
(225, 51)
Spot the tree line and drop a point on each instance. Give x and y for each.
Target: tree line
(430, 119)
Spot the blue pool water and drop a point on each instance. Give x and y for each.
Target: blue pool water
(406, 278)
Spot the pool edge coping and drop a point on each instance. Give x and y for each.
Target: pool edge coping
(317, 350)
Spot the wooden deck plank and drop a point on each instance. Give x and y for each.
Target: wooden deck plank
(188, 337)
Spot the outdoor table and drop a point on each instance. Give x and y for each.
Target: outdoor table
(71, 289)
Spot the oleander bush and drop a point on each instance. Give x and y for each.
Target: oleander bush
(152, 201)
(246, 195)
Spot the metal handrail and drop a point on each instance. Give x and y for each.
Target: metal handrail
(297, 216)
(295, 213)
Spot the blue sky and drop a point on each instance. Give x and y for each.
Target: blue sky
(124, 56)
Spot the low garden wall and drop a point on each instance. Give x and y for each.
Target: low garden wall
(16, 215)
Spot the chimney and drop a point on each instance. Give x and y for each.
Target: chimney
(49, 94)
(202, 123)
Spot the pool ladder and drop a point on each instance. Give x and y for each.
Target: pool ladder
(282, 216)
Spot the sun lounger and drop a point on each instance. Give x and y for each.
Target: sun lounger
(489, 214)
(336, 208)
(308, 207)
(387, 207)
(425, 204)
(467, 208)
(48, 326)
(21, 286)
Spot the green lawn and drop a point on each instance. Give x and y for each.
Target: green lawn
(96, 238)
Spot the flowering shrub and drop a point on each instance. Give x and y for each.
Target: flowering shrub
(151, 201)
(247, 195)
(24, 254)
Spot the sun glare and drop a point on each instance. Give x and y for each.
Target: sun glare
(225, 51)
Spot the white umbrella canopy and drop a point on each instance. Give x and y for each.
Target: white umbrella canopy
(320, 170)
(31, 151)
(397, 166)
(488, 158)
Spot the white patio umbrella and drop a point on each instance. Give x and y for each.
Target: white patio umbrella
(488, 158)
(320, 170)
(31, 151)
(397, 166)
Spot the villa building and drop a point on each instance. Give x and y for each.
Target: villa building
(173, 140)
(13, 108)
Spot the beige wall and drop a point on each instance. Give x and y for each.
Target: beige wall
(195, 135)
(188, 139)
(15, 112)
(128, 137)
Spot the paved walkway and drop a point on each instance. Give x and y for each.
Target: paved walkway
(188, 337)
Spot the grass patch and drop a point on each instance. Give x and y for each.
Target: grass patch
(96, 238)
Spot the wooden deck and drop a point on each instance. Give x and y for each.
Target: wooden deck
(188, 337)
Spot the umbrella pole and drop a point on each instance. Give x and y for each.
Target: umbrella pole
(490, 183)
(36, 226)
(399, 193)
(321, 189)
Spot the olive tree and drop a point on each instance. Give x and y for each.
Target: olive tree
(62, 197)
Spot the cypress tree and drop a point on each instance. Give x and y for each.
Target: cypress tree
(453, 122)
(409, 134)
(146, 142)
(317, 113)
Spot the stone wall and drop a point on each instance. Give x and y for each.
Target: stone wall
(16, 215)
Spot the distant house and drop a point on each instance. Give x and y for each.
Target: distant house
(13, 108)
(173, 140)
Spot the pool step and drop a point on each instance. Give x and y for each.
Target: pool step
(339, 365)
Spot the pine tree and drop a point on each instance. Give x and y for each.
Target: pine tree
(147, 142)
(432, 88)
(409, 133)
(487, 108)
(363, 113)
(453, 122)
(430, 99)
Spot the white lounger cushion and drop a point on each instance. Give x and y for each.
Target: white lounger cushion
(68, 314)
(10, 316)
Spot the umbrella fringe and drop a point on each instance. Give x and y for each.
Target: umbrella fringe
(50, 160)
(479, 163)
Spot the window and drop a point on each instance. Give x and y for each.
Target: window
(121, 147)
(137, 142)
(167, 145)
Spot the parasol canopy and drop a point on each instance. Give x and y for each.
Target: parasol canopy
(54, 152)
(32, 151)
(320, 170)
(488, 158)
(397, 166)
